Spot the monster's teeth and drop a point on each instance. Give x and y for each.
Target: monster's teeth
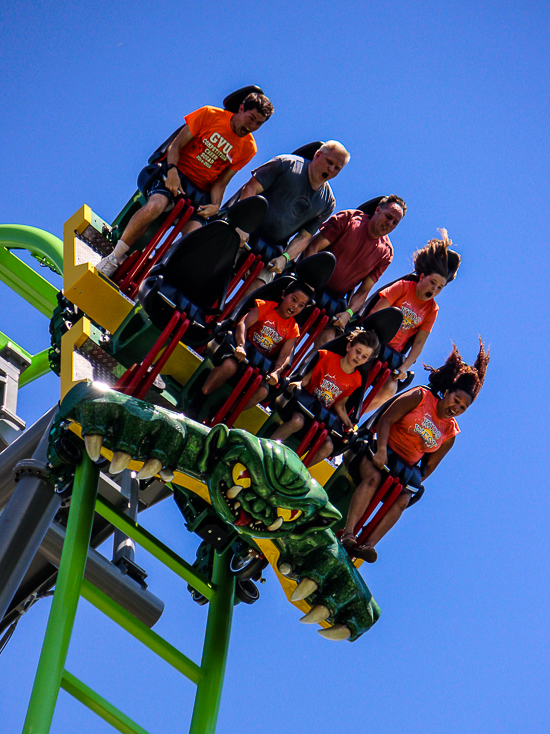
(275, 525)
(233, 491)
(93, 444)
(166, 474)
(304, 588)
(149, 469)
(285, 569)
(236, 505)
(336, 632)
(119, 462)
(318, 613)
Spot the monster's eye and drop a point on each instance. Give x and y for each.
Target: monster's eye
(241, 476)
(287, 514)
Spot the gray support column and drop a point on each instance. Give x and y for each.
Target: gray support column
(22, 448)
(23, 525)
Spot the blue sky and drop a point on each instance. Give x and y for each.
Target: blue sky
(445, 104)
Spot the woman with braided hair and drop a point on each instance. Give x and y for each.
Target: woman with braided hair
(421, 421)
(435, 265)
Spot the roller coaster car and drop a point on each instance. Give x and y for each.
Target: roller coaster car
(398, 475)
(323, 422)
(260, 250)
(315, 271)
(184, 293)
(150, 249)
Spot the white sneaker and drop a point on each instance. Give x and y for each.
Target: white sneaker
(108, 266)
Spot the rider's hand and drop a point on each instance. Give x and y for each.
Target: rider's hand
(398, 374)
(243, 235)
(173, 182)
(273, 378)
(293, 386)
(341, 320)
(277, 265)
(380, 458)
(207, 211)
(240, 353)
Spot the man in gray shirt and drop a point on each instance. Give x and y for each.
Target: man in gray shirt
(300, 200)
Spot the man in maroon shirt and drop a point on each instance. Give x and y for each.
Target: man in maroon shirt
(363, 251)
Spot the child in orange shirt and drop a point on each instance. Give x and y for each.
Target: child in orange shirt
(331, 381)
(435, 267)
(271, 327)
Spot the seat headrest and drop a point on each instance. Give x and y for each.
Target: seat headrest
(309, 150)
(316, 270)
(385, 323)
(248, 213)
(234, 100)
(370, 206)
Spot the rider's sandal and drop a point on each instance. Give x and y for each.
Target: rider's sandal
(365, 552)
(349, 541)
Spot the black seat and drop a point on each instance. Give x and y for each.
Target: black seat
(370, 206)
(308, 150)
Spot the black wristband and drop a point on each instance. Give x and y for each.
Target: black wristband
(171, 165)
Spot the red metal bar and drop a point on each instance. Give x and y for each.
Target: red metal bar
(123, 381)
(242, 290)
(396, 491)
(377, 366)
(129, 279)
(157, 366)
(303, 331)
(250, 390)
(146, 266)
(248, 262)
(312, 430)
(138, 373)
(144, 269)
(323, 433)
(319, 326)
(380, 382)
(226, 407)
(125, 274)
(374, 502)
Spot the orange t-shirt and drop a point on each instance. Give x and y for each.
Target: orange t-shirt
(329, 383)
(270, 332)
(421, 431)
(214, 147)
(417, 315)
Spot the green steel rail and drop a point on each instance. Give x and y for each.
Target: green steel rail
(29, 284)
(51, 676)
(21, 278)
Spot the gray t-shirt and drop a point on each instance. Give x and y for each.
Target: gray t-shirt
(293, 204)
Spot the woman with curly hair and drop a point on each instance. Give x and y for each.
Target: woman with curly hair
(435, 265)
(421, 421)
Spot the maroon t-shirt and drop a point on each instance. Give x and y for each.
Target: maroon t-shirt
(357, 254)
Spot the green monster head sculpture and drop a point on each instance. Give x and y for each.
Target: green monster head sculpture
(261, 487)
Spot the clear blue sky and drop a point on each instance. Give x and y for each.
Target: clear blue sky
(445, 104)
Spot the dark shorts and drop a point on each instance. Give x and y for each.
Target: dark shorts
(149, 184)
(411, 475)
